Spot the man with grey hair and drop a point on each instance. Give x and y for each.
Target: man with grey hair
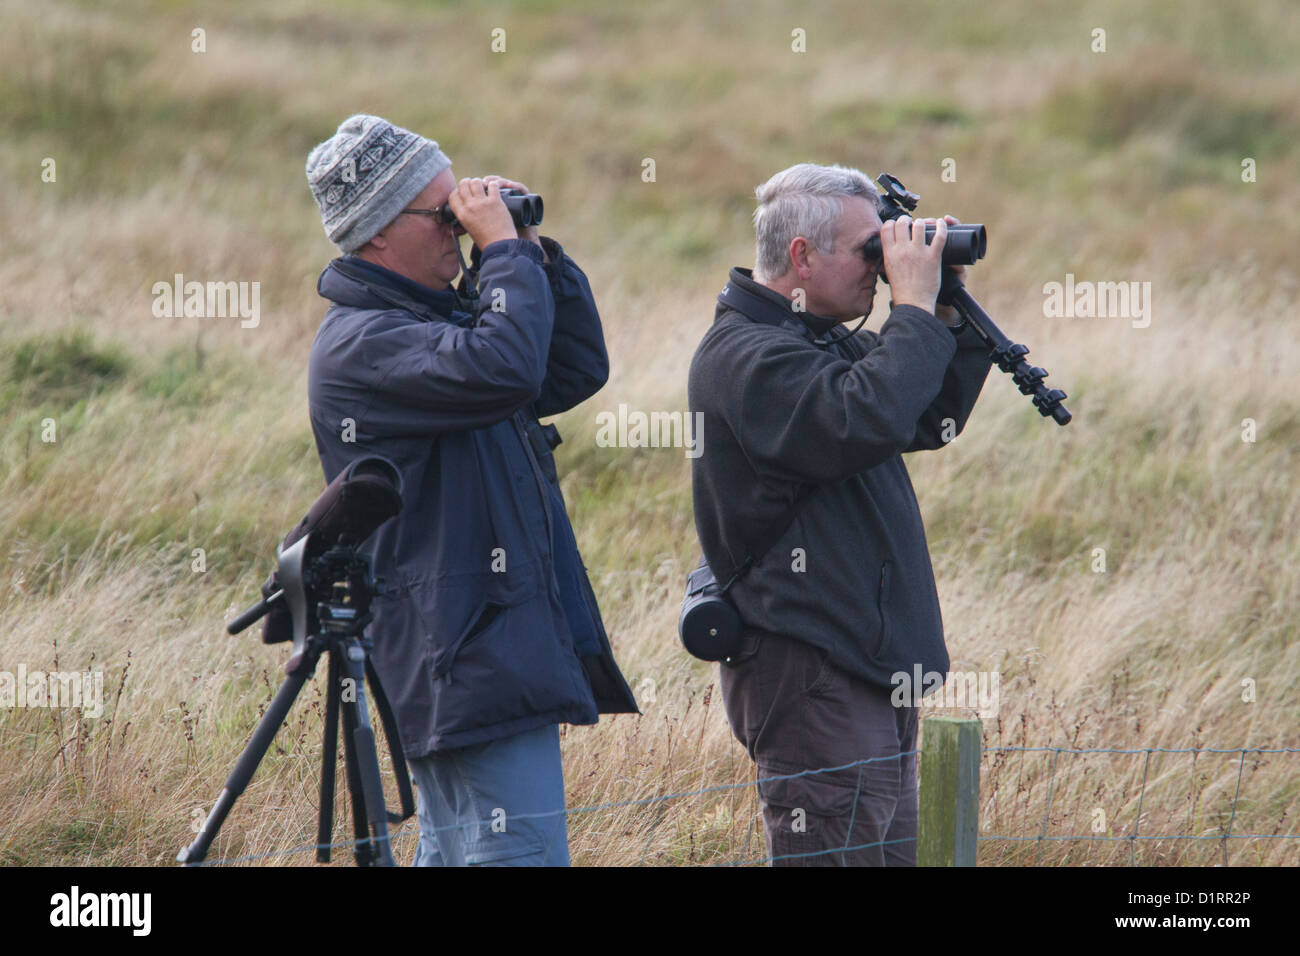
(486, 631)
(806, 514)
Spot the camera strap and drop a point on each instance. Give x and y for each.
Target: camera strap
(776, 533)
(467, 290)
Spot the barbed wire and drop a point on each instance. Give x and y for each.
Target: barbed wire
(1042, 837)
(569, 812)
(1133, 837)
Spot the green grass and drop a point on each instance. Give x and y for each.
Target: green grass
(64, 367)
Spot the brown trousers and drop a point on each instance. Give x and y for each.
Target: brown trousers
(794, 711)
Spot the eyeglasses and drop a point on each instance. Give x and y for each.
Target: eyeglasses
(441, 214)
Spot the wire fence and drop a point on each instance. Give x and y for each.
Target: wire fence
(992, 756)
(1225, 829)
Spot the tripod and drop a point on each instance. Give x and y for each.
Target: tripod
(1005, 354)
(342, 577)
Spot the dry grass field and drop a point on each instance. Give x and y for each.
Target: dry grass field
(175, 434)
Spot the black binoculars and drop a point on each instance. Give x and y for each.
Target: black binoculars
(966, 243)
(525, 209)
(965, 246)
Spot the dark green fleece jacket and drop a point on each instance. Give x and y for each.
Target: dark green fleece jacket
(793, 405)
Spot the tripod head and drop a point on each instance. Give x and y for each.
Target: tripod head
(322, 583)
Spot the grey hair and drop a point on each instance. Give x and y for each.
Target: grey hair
(804, 200)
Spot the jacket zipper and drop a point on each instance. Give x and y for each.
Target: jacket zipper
(540, 480)
(880, 601)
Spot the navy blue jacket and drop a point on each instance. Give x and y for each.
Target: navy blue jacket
(485, 623)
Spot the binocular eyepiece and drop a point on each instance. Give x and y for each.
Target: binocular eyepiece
(965, 246)
(525, 209)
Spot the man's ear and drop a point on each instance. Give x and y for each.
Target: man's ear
(377, 242)
(799, 257)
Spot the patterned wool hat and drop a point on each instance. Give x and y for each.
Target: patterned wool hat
(366, 173)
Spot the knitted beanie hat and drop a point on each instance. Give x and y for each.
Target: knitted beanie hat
(366, 173)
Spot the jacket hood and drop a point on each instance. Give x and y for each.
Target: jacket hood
(346, 288)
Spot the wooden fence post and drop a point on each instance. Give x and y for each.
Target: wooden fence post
(949, 791)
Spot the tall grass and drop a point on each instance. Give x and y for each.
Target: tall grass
(177, 437)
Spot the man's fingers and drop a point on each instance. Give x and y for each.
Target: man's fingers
(903, 228)
(454, 200)
(477, 188)
(918, 233)
(505, 183)
(940, 237)
(472, 188)
(915, 230)
(887, 235)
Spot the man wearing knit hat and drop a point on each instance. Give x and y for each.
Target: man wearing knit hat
(486, 631)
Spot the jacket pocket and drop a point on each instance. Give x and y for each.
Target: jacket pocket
(491, 611)
(457, 615)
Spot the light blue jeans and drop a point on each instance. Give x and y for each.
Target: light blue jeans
(476, 803)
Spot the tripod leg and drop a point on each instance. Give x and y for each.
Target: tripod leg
(249, 760)
(329, 762)
(369, 796)
(356, 789)
(393, 736)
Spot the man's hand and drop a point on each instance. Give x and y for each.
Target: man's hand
(525, 232)
(946, 313)
(481, 211)
(911, 265)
